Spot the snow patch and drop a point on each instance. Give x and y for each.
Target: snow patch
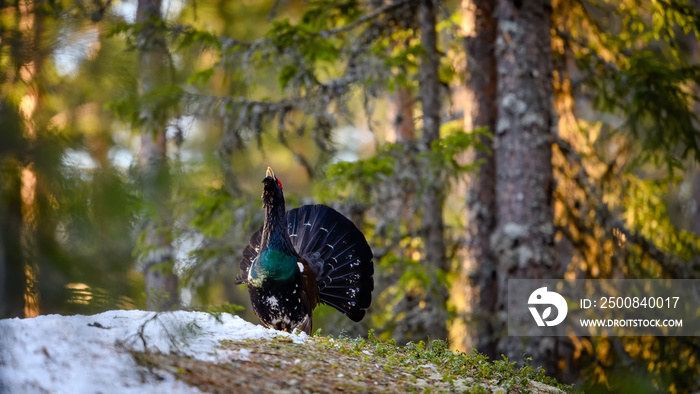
(78, 354)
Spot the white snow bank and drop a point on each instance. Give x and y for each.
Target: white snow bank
(88, 354)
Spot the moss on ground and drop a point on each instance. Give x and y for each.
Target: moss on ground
(326, 364)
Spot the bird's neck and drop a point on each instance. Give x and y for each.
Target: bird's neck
(274, 234)
(277, 260)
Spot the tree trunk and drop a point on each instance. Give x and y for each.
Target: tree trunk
(433, 310)
(161, 282)
(523, 240)
(695, 216)
(479, 268)
(12, 271)
(401, 116)
(32, 24)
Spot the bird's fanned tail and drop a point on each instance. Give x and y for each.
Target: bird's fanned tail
(339, 255)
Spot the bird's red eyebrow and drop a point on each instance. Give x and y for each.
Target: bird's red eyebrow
(279, 183)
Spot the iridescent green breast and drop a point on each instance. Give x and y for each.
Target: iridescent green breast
(272, 265)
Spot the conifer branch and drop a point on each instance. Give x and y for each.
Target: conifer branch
(671, 263)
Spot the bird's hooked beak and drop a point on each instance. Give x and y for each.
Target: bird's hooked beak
(270, 173)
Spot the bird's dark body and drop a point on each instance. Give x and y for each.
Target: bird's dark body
(302, 257)
(279, 304)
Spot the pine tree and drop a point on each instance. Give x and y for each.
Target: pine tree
(161, 281)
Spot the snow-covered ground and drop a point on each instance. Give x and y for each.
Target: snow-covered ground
(89, 354)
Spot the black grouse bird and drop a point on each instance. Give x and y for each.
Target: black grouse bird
(302, 257)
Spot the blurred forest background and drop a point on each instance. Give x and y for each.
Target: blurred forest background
(472, 141)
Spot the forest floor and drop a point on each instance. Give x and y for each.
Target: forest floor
(326, 365)
(188, 352)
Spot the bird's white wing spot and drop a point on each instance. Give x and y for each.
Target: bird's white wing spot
(301, 266)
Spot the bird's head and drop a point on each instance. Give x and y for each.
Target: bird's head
(272, 195)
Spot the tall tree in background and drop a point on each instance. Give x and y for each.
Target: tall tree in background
(523, 239)
(13, 150)
(618, 70)
(161, 281)
(402, 131)
(45, 264)
(416, 209)
(432, 231)
(479, 267)
(50, 213)
(13, 281)
(509, 203)
(31, 24)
